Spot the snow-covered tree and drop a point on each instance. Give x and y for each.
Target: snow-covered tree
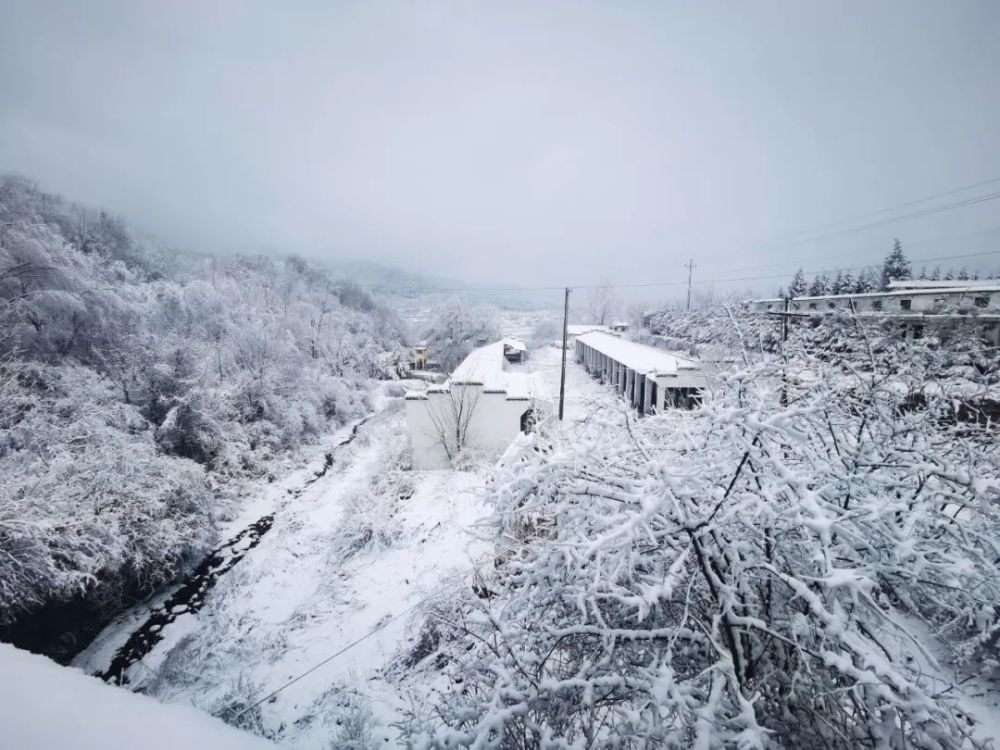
(129, 373)
(820, 285)
(798, 286)
(457, 329)
(603, 303)
(896, 266)
(818, 570)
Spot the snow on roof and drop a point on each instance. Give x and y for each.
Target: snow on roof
(487, 366)
(578, 329)
(638, 357)
(483, 366)
(950, 284)
(514, 344)
(44, 705)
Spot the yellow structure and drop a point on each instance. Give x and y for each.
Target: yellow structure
(420, 357)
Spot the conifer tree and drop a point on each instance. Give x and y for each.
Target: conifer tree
(847, 283)
(837, 285)
(798, 287)
(820, 285)
(896, 266)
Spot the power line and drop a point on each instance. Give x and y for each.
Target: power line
(650, 284)
(915, 215)
(865, 227)
(898, 206)
(909, 244)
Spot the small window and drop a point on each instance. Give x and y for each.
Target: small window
(877, 304)
(905, 304)
(769, 307)
(795, 305)
(831, 305)
(982, 301)
(812, 305)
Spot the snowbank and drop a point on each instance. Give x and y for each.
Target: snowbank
(43, 705)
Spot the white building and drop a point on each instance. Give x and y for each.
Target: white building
(914, 303)
(482, 407)
(649, 379)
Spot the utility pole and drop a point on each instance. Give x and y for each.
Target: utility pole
(784, 355)
(689, 266)
(562, 375)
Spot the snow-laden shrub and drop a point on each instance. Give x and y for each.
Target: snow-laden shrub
(236, 705)
(369, 524)
(356, 725)
(761, 573)
(87, 505)
(371, 507)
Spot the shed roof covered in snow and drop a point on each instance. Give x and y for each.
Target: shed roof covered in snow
(578, 329)
(638, 357)
(487, 367)
(483, 366)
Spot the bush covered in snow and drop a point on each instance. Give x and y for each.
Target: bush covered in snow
(370, 521)
(810, 560)
(88, 503)
(457, 329)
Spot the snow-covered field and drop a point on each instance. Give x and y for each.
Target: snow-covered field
(336, 586)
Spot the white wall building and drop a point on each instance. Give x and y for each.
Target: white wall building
(649, 379)
(482, 407)
(914, 303)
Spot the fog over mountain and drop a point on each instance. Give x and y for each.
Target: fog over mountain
(514, 142)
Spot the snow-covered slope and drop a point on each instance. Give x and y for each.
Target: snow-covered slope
(347, 571)
(343, 571)
(47, 707)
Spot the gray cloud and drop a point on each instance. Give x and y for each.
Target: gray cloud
(512, 142)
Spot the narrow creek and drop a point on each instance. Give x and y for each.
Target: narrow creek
(189, 597)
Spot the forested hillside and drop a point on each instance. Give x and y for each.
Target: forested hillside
(139, 387)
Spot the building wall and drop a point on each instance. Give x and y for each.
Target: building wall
(493, 423)
(921, 301)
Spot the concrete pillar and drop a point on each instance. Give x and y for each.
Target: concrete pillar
(647, 400)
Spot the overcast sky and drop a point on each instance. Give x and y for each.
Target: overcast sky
(537, 142)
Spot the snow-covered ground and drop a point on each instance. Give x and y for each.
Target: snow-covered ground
(48, 706)
(336, 586)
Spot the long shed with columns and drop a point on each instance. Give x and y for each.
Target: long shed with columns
(649, 379)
